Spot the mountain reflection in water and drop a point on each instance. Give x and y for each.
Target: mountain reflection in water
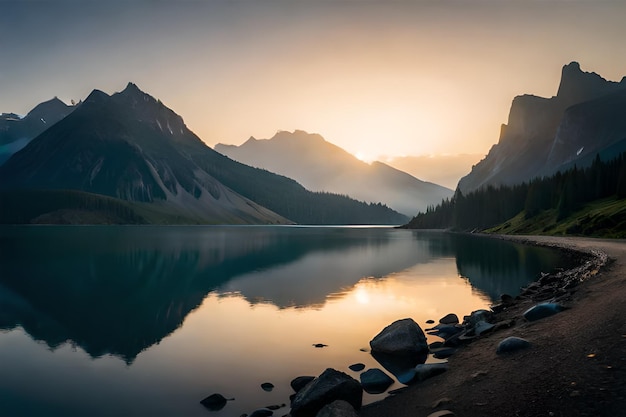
(119, 290)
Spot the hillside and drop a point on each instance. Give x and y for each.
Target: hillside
(131, 147)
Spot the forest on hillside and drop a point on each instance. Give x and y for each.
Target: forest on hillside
(565, 193)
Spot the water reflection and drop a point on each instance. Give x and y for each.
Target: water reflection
(197, 310)
(119, 290)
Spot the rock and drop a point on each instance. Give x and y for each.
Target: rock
(445, 331)
(542, 310)
(442, 413)
(331, 385)
(476, 316)
(435, 345)
(443, 353)
(400, 337)
(357, 367)
(375, 381)
(267, 386)
(214, 402)
(482, 327)
(319, 345)
(430, 321)
(449, 319)
(512, 344)
(261, 412)
(275, 406)
(300, 382)
(337, 408)
(428, 370)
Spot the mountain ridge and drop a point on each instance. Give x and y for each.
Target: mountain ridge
(321, 165)
(132, 147)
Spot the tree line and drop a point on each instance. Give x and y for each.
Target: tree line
(565, 192)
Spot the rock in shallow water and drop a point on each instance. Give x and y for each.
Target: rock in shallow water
(542, 310)
(267, 386)
(512, 344)
(331, 385)
(357, 367)
(262, 412)
(214, 402)
(399, 338)
(375, 381)
(449, 319)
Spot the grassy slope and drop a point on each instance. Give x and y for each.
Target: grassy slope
(602, 218)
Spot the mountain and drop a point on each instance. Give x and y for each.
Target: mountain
(16, 132)
(320, 165)
(546, 135)
(130, 147)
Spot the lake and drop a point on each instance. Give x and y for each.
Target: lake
(143, 320)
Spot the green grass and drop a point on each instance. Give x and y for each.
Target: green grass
(602, 218)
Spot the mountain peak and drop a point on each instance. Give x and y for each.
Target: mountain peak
(96, 96)
(132, 88)
(577, 85)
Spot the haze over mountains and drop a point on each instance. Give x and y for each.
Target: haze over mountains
(546, 135)
(321, 166)
(131, 148)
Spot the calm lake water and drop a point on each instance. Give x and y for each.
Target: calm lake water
(138, 321)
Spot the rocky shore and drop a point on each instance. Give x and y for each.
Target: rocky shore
(557, 349)
(574, 363)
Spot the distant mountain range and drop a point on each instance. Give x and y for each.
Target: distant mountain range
(133, 158)
(546, 135)
(321, 166)
(16, 132)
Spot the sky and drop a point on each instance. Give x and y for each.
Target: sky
(378, 78)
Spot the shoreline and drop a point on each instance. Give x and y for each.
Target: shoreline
(576, 365)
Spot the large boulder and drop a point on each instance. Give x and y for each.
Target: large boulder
(402, 337)
(330, 386)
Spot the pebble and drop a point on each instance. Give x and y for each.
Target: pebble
(267, 386)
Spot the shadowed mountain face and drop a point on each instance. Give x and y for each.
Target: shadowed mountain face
(16, 132)
(321, 166)
(128, 146)
(544, 135)
(132, 147)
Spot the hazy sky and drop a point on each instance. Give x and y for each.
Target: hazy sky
(378, 77)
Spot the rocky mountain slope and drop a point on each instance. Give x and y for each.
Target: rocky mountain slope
(545, 135)
(130, 146)
(319, 165)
